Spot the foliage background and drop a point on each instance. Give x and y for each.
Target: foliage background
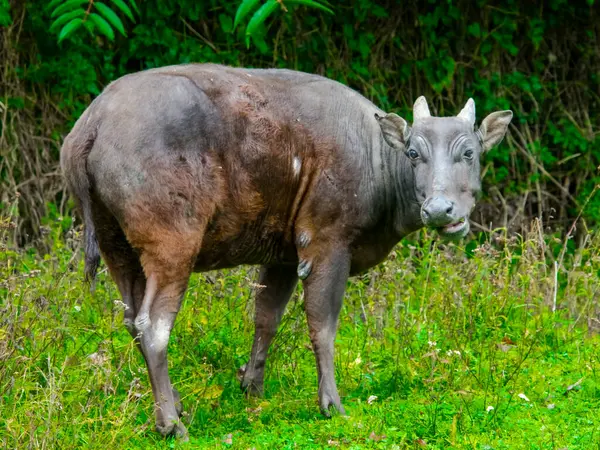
(540, 59)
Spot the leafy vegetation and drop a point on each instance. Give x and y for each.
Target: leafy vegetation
(483, 346)
(543, 63)
(69, 15)
(255, 28)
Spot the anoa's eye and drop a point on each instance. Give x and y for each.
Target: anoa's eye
(468, 154)
(412, 153)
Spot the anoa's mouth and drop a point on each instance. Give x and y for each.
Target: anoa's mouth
(456, 229)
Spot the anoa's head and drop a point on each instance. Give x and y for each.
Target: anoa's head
(444, 153)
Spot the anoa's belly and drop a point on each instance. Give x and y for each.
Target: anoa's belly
(252, 245)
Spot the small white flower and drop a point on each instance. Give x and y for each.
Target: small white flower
(432, 343)
(371, 399)
(356, 362)
(489, 408)
(120, 305)
(77, 308)
(523, 396)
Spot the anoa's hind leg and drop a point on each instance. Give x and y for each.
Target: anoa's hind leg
(154, 341)
(132, 286)
(122, 262)
(167, 257)
(167, 278)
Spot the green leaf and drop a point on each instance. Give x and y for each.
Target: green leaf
(474, 30)
(53, 4)
(5, 17)
(134, 6)
(245, 7)
(226, 24)
(124, 8)
(67, 6)
(69, 28)
(310, 3)
(110, 15)
(260, 43)
(103, 26)
(261, 15)
(64, 18)
(16, 102)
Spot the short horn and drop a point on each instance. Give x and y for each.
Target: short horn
(468, 112)
(420, 109)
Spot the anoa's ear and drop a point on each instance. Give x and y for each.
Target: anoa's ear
(395, 130)
(493, 128)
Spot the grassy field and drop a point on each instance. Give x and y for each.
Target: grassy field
(468, 346)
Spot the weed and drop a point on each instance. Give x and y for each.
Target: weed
(441, 346)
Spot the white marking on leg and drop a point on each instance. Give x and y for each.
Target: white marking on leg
(142, 321)
(162, 331)
(297, 165)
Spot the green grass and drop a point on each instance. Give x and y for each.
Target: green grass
(441, 347)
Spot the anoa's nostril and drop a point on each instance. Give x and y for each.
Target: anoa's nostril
(437, 211)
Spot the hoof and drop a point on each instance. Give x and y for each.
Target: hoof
(331, 407)
(249, 386)
(174, 429)
(142, 322)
